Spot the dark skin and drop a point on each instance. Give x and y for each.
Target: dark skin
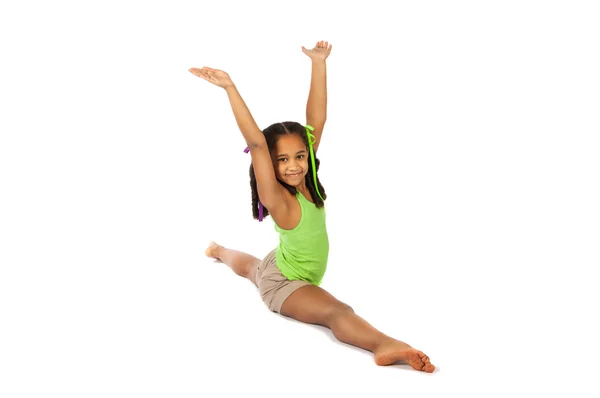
(288, 162)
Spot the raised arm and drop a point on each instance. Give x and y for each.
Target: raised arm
(316, 106)
(269, 190)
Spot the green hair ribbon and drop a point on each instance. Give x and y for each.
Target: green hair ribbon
(311, 141)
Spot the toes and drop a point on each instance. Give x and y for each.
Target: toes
(211, 250)
(427, 365)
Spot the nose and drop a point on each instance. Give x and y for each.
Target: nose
(293, 164)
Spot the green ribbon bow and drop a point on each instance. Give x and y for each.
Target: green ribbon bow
(311, 141)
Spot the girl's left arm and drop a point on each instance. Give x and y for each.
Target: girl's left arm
(316, 106)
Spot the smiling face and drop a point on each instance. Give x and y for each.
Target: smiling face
(290, 159)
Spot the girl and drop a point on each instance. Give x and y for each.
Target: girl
(285, 185)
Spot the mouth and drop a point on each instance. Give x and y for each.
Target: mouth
(296, 175)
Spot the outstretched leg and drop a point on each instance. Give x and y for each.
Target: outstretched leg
(312, 304)
(241, 263)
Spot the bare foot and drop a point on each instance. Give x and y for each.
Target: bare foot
(211, 251)
(396, 351)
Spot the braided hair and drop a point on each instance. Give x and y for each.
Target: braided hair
(272, 134)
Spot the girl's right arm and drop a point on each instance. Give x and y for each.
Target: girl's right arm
(270, 191)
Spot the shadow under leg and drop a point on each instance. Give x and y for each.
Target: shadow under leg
(312, 304)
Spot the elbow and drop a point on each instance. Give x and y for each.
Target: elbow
(317, 117)
(256, 145)
(318, 123)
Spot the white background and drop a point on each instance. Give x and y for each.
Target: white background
(460, 157)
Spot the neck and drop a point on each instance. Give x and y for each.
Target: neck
(302, 187)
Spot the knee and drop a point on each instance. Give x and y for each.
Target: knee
(338, 311)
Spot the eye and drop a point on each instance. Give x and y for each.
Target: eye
(282, 159)
(300, 156)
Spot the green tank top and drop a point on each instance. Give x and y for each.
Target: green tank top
(302, 251)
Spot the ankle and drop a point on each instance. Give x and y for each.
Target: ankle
(214, 250)
(383, 341)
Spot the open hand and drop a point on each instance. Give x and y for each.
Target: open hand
(214, 76)
(320, 52)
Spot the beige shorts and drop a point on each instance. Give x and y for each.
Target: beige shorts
(274, 288)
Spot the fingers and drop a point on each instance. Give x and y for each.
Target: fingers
(198, 70)
(205, 74)
(204, 68)
(323, 45)
(195, 71)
